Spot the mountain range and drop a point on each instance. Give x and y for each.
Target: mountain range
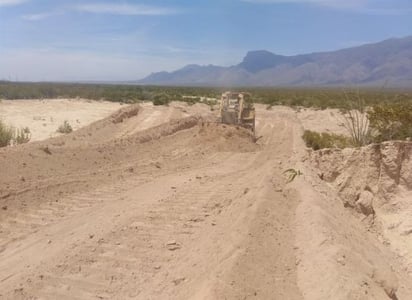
(386, 63)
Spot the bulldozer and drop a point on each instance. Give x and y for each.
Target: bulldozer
(236, 109)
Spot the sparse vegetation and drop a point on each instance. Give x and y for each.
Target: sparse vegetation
(22, 136)
(65, 128)
(323, 140)
(370, 115)
(6, 134)
(356, 120)
(316, 98)
(391, 121)
(11, 136)
(292, 174)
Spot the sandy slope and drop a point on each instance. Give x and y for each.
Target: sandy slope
(162, 203)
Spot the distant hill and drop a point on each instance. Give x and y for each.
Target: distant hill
(388, 62)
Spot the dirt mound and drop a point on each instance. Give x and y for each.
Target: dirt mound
(125, 113)
(376, 182)
(145, 122)
(164, 178)
(166, 129)
(384, 170)
(226, 138)
(85, 153)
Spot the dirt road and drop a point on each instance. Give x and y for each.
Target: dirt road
(194, 214)
(161, 203)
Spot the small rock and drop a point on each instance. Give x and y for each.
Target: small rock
(341, 260)
(179, 280)
(407, 232)
(196, 220)
(4, 207)
(365, 203)
(245, 191)
(173, 245)
(158, 165)
(49, 241)
(91, 236)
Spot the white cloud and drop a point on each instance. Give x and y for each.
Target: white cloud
(11, 2)
(37, 17)
(124, 9)
(379, 7)
(330, 3)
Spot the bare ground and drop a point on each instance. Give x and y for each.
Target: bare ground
(163, 203)
(43, 117)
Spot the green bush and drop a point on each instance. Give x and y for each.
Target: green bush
(161, 99)
(65, 128)
(6, 135)
(190, 100)
(323, 140)
(391, 121)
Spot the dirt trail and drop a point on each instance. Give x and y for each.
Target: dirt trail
(185, 216)
(164, 205)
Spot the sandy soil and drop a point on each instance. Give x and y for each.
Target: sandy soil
(43, 117)
(164, 203)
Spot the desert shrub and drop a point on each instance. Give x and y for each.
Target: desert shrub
(22, 136)
(65, 128)
(6, 134)
(355, 119)
(323, 140)
(190, 100)
(391, 121)
(161, 99)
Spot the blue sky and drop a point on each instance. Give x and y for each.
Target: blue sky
(126, 40)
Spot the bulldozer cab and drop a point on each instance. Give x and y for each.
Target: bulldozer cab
(234, 109)
(233, 101)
